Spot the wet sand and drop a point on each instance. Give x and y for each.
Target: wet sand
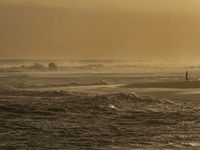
(177, 85)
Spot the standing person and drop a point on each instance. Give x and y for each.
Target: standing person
(186, 76)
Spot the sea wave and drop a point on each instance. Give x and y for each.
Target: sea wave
(118, 101)
(38, 67)
(25, 85)
(94, 121)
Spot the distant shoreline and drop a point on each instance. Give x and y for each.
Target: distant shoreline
(177, 85)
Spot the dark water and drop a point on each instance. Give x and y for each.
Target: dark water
(75, 120)
(38, 111)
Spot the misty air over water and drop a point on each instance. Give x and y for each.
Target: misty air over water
(87, 105)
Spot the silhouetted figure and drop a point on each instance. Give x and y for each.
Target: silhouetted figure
(186, 76)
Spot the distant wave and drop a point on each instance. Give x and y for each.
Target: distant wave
(192, 67)
(90, 67)
(129, 66)
(94, 66)
(101, 82)
(37, 67)
(34, 67)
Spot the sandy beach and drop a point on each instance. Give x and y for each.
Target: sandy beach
(177, 85)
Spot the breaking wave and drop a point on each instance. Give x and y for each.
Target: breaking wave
(37, 67)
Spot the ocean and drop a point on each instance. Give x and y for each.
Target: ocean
(79, 105)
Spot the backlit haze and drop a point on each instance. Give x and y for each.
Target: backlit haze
(100, 29)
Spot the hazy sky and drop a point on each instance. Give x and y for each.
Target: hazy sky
(100, 29)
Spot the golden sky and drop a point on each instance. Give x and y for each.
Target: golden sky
(100, 29)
